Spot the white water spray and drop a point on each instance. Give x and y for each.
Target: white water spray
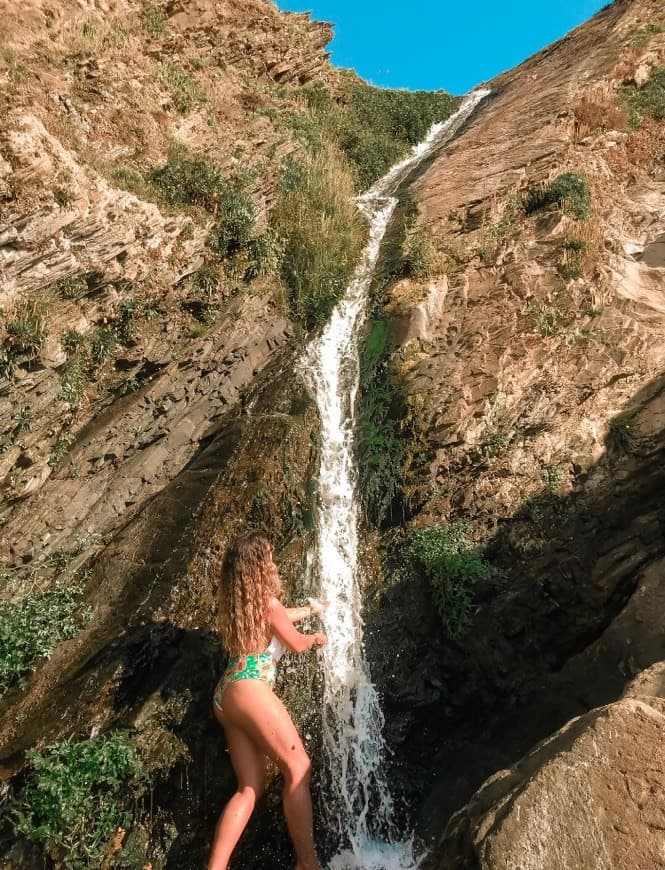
(359, 803)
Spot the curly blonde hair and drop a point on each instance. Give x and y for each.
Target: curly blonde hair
(248, 581)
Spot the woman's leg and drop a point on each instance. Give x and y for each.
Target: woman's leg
(249, 766)
(254, 707)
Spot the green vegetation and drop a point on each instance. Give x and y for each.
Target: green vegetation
(321, 235)
(21, 423)
(548, 318)
(86, 351)
(131, 385)
(622, 434)
(306, 130)
(103, 344)
(27, 331)
(551, 476)
(76, 794)
(73, 378)
(127, 321)
(499, 433)
(644, 34)
(206, 281)
(187, 93)
(71, 804)
(444, 555)
(418, 255)
(73, 287)
(32, 627)
(375, 127)
(60, 448)
(25, 335)
(647, 102)
(389, 438)
(569, 191)
(154, 21)
(185, 180)
(62, 196)
(396, 260)
(265, 255)
(496, 223)
(236, 223)
(381, 446)
(128, 178)
(496, 440)
(574, 250)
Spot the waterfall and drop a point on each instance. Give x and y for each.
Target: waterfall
(359, 805)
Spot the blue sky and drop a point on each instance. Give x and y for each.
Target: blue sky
(435, 44)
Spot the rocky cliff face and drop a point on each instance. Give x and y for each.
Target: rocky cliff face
(175, 416)
(531, 360)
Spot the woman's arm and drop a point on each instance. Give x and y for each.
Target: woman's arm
(314, 608)
(297, 614)
(283, 628)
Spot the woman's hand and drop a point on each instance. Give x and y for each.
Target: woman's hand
(317, 607)
(319, 639)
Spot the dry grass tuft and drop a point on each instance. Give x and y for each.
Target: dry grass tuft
(597, 112)
(642, 149)
(627, 65)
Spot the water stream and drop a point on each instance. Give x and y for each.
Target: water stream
(359, 805)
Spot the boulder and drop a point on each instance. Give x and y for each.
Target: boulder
(591, 797)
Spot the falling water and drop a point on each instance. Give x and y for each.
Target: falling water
(358, 801)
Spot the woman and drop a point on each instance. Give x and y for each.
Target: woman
(253, 624)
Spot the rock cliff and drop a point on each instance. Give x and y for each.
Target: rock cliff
(527, 357)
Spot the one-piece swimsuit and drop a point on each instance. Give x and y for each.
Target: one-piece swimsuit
(252, 666)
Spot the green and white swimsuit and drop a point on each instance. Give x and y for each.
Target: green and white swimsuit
(253, 666)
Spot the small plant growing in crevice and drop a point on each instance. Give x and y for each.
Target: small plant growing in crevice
(25, 335)
(103, 345)
(73, 379)
(574, 250)
(73, 287)
(154, 21)
(548, 318)
(129, 311)
(60, 448)
(451, 564)
(131, 385)
(644, 34)
(498, 434)
(623, 435)
(21, 423)
(27, 331)
(551, 476)
(569, 191)
(206, 281)
(186, 92)
(235, 225)
(648, 101)
(498, 218)
(418, 255)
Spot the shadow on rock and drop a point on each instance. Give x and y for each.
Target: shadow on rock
(579, 609)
